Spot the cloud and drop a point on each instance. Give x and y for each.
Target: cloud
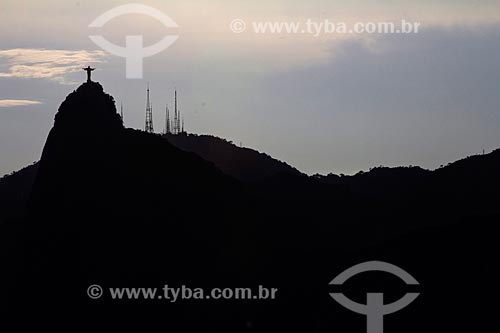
(5, 103)
(424, 100)
(54, 65)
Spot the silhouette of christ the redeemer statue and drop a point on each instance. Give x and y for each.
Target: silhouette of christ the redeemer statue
(89, 72)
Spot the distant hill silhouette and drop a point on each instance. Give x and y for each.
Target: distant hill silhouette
(380, 181)
(244, 164)
(15, 190)
(472, 181)
(120, 207)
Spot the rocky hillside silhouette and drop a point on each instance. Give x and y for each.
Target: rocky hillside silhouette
(91, 155)
(123, 208)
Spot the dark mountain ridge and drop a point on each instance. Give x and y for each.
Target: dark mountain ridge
(390, 182)
(120, 207)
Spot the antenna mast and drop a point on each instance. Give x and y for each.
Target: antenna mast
(167, 121)
(176, 116)
(149, 115)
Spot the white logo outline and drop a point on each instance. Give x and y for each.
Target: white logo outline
(133, 52)
(374, 309)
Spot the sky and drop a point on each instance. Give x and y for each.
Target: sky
(323, 103)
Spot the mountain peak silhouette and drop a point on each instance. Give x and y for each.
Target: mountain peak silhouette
(88, 108)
